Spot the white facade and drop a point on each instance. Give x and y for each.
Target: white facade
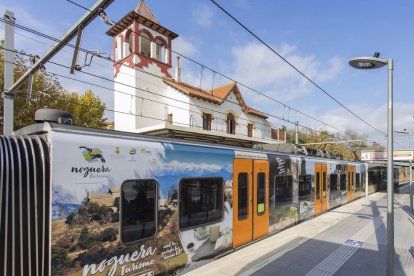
(145, 100)
(261, 127)
(152, 100)
(142, 98)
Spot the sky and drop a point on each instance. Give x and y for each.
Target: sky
(318, 37)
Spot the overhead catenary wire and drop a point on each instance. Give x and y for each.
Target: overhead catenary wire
(128, 113)
(106, 109)
(110, 89)
(203, 66)
(294, 67)
(118, 91)
(298, 111)
(231, 79)
(138, 69)
(311, 130)
(270, 115)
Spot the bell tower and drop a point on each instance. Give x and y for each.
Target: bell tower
(142, 54)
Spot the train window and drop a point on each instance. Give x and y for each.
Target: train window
(363, 181)
(283, 189)
(138, 209)
(333, 182)
(318, 186)
(358, 182)
(349, 181)
(201, 201)
(324, 184)
(343, 182)
(261, 193)
(304, 186)
(243, 195)
(353, 181)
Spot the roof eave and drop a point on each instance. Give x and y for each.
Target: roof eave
(126, 21)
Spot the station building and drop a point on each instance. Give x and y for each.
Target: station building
(152, 101)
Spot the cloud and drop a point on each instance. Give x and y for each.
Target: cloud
(203, 15)
(190, 72)
(258, 67)
(376, 116)
(183, 46)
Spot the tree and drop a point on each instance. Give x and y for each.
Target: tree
(109, 234)
(70, 219)
(349, 150)
(87, 109)
(59, 259)
(85, 239)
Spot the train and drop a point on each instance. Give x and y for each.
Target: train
(83, 201)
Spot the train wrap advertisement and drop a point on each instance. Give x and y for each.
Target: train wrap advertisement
(114, 206)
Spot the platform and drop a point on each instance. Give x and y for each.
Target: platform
(349, 240)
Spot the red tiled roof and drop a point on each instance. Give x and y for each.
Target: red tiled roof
(217, 95)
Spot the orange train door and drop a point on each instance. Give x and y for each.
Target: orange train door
(250, 200)
(350, 193)
(320, 197)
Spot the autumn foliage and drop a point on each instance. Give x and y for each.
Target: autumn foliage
(87, 109)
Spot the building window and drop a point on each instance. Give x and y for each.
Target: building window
(206, 121)
(231, 124)
(131, 43)
(144, 44)
(170, 118)
(250, 130)
(138, 209)
(119, 49)
(201, 201)
(160, 50)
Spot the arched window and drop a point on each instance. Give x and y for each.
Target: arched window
(144, 44)
(160, 50)
(119, 49)
(231, 124)
(131, 43)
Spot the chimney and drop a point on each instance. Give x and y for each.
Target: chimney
(178, 70)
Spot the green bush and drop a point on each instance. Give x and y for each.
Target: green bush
(59, 259)
(109, 234)
(85, 240)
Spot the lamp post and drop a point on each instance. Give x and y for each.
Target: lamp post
(374, 63)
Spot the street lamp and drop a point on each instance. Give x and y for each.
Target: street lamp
(405, 132)
(374, 63)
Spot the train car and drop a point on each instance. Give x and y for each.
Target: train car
(377, 175)
(80, 201)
